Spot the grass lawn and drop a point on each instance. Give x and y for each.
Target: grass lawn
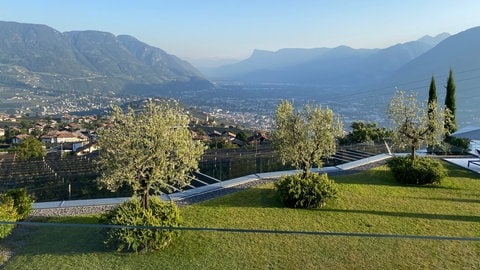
(368, 202)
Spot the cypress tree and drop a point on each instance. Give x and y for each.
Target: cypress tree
(432, 110)
(432, 92)
(450, 124)
(432, 102)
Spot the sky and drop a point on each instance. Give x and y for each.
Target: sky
(197, 29)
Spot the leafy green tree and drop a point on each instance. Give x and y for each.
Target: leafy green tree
(411, 124)
(36, 132)
(148, 150)
(30, 148)
(450, 122)
(61, 125)
(242, 136)
(25, 124)
(10, 133)
(303, 138)
(366, 132)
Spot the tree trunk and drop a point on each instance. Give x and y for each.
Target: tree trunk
(145, 199)
(144, 194)
(306, 170)
(413, 152)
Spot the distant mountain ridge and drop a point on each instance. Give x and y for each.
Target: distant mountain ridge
(39, 64)
(433, 41)
(459, 52)
(369, 78)
(328, 66)
(39, 56)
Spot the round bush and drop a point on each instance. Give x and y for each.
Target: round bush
(418, 171)
(22, 201)
(311, 191)
(131, 213)
(7, 213)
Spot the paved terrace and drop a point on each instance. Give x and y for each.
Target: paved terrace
(466, 163)
(182, 195)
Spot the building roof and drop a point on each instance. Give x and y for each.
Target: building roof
(62, 134)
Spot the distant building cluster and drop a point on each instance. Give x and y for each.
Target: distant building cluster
(78, 134)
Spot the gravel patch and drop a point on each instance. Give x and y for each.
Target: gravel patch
(71, 211)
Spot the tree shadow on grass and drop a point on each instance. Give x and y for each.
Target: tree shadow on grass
(59, 239)
(461, 200)
(408, 215)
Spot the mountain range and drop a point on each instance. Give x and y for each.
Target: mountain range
(38, 56)
(46, 62)
(361, 82)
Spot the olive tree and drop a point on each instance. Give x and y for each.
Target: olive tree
(148, 150)
(303, 138)
(413, 123)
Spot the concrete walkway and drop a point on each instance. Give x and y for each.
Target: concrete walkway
(178, 196)
(464, 163)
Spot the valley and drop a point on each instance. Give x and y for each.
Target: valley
(248, 105)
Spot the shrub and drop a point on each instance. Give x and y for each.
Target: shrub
(421, 171)
(457, 145)
(23, 203)
(131, 213)
(7, 213)
(311, 191)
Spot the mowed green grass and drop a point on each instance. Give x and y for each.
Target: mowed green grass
(368, 202)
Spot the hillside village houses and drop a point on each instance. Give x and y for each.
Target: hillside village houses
(57, 137)
(77, 134)
(66, 136)
(256, 139)
(86, 149)
(10, 118)
(19, 138)
(54, 137)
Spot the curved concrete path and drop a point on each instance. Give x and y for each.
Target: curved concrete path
(178, 196)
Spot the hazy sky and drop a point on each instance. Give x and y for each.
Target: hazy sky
(234, 28)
